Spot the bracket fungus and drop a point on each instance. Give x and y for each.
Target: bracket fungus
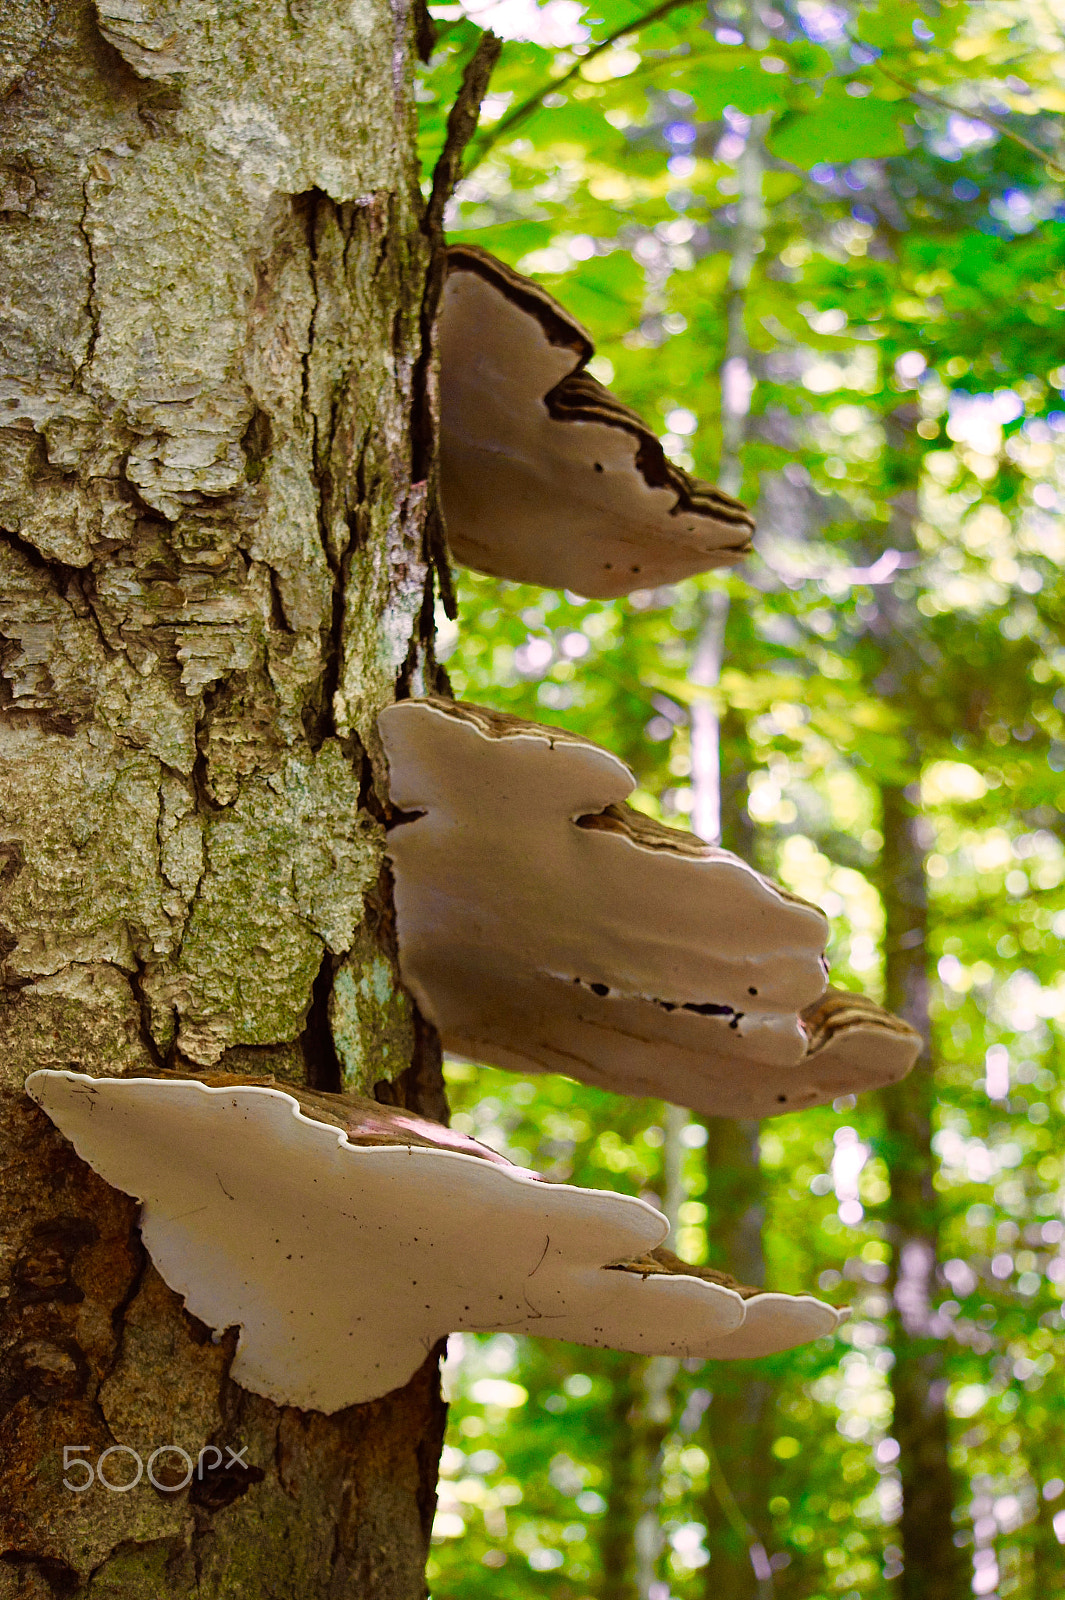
(345, 1239)
(544, 925)
(545, 477)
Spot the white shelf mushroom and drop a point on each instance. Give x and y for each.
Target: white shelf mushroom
(544, 925)
(345, 1239)
(546, 477)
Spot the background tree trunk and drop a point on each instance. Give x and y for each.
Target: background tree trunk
(213, 498)
(736, 1423)
(621, 1489)
(934, 1567)
(739, 1421)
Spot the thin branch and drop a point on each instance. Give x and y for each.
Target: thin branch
(461, 127)
(425, 36)
(533, 103)
(980, 115)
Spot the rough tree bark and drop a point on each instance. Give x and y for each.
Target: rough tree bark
(213, 500)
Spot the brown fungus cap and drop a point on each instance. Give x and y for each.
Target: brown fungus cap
(544, 925)
(345, 1240)
(545, 477)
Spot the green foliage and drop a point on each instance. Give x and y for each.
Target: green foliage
(839, 127)
(906, 321)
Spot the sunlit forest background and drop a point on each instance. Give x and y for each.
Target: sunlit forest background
(821, 247)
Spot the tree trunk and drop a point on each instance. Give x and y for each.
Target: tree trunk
(736, 1422)
(213, 500)
(738, 1425)
(934, 1568)
(615, 1530)
(654, 1418)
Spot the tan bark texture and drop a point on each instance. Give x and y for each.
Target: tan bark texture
(213, 573)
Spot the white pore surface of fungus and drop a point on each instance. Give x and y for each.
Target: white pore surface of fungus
(343, 1264)
(545, 477)
(544, 925)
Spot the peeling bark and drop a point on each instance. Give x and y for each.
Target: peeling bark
(213, 573)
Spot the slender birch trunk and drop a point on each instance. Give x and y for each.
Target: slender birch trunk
(213, 466)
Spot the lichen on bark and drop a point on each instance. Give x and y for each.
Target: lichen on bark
(212, 576)
(372, 1017)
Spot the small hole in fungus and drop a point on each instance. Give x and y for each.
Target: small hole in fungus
(752, 991)
(781, 1099)
(599, 988)
(599, 466)
(634, 569)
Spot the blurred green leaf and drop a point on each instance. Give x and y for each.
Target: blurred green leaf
(840, 128)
